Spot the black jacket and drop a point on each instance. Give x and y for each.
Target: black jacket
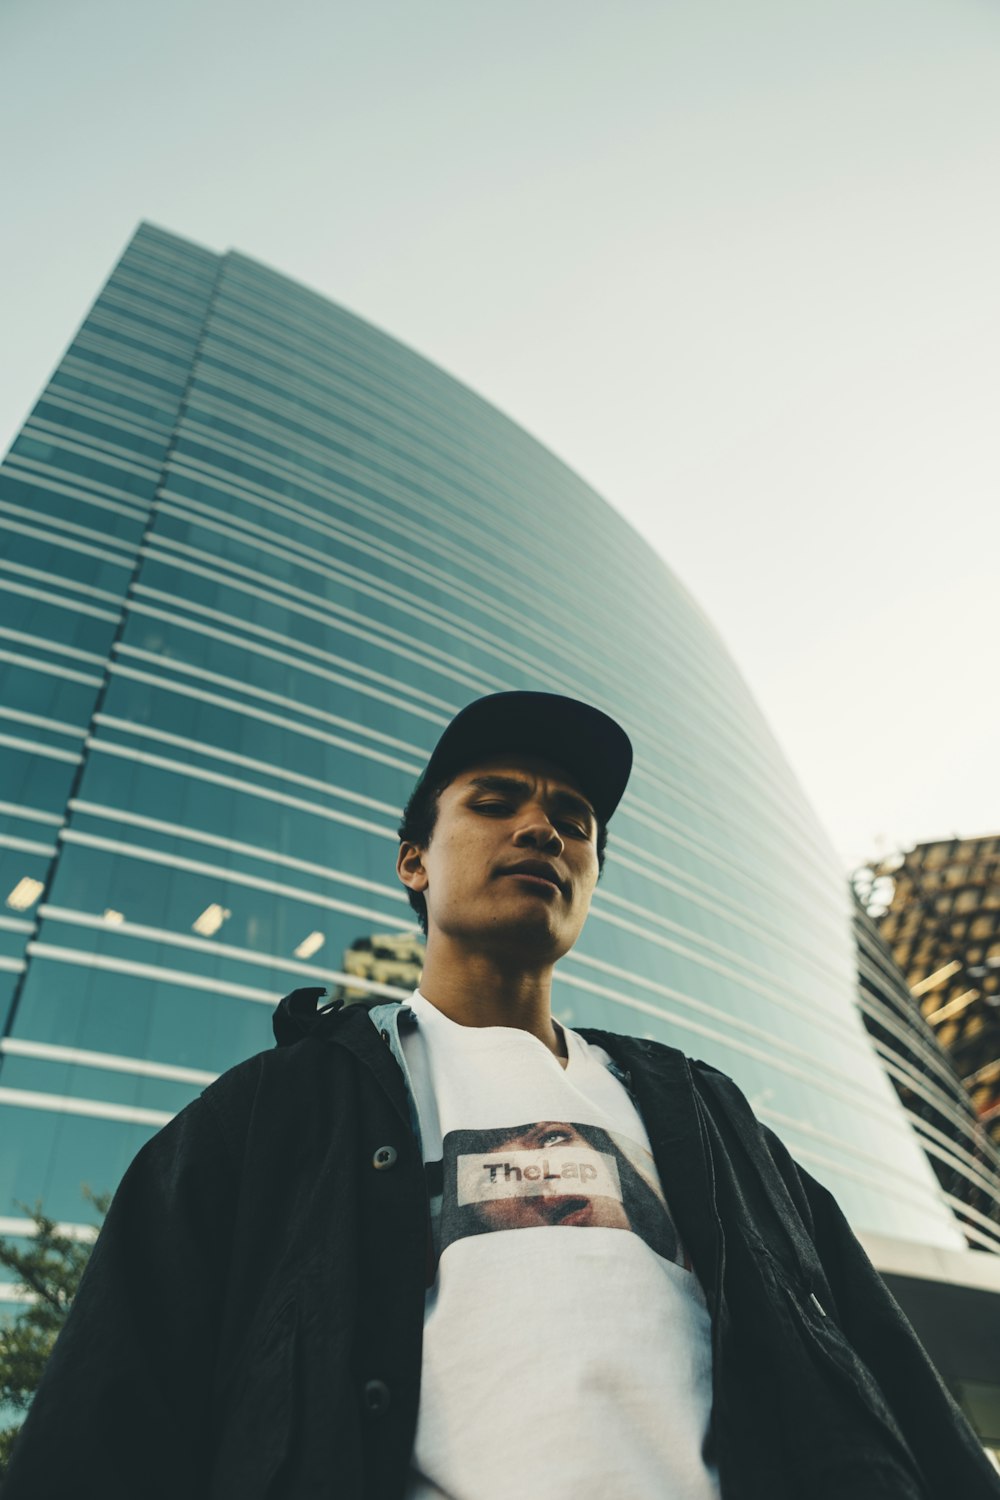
(250, 1323)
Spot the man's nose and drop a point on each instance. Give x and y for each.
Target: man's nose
(539, 833)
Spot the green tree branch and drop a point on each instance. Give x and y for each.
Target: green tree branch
(47, 1271)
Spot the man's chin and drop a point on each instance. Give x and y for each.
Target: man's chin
(531, 934)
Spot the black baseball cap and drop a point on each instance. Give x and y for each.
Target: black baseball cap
(589, 745)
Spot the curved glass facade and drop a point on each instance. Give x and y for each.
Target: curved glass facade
(256, 555)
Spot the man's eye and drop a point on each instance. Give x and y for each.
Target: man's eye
(503, 807)
(574, 828)
(551, 1137)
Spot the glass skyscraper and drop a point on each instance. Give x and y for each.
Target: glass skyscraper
(255, 555)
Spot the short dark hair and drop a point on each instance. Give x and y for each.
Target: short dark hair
(417, 826)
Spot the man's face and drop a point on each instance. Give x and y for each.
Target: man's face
(513, 858)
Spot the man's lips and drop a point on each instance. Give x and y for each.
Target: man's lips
(538, 874)
(541, 881)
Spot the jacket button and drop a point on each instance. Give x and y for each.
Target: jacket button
(384, 1158)
(385, 1037)
(377, 1397)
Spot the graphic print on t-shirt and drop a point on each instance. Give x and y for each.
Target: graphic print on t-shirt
(548, 1174)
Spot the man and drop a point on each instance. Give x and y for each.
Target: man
(454, 1249)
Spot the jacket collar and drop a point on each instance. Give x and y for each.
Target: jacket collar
(300, 1018)
(389, 1020)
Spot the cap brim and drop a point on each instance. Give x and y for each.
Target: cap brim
(590, 746)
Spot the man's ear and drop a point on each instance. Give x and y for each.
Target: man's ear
(410, 867)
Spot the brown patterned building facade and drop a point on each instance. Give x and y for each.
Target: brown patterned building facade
(942, 925)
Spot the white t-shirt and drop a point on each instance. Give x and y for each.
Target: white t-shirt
(556, 1366)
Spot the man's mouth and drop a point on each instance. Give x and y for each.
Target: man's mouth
(541, 881)
(538, 873)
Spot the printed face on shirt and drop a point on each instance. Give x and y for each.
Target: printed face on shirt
(494, 818)
(548, 1174)
(542, 1174)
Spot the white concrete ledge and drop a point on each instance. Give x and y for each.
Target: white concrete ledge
(972, 1268)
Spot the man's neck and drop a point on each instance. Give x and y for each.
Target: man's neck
(476, 989)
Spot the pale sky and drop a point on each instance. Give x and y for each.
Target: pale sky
(737, 262)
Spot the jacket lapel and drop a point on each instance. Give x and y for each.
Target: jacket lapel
(659, 1081)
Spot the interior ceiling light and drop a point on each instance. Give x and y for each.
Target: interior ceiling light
(310, 945)
(211, 919)
(25, 893)
(112, 916)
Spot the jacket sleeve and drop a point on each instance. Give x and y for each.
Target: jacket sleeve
(950, 1455)
(122, 1405)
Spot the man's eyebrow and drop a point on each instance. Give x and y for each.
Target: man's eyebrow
(517, 787)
